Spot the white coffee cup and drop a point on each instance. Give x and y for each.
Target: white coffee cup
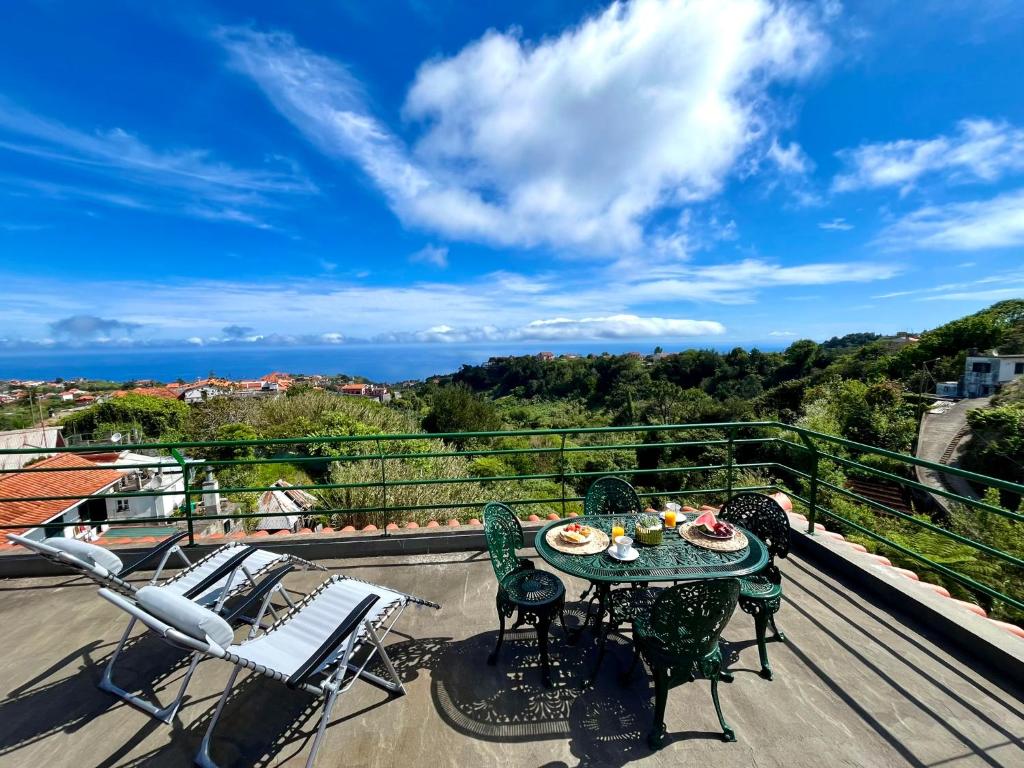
(622, 545)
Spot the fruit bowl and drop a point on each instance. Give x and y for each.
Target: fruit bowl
(649, 530)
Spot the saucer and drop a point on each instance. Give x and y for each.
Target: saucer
(633, 554)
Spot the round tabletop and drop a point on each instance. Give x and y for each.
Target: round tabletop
(675, 559)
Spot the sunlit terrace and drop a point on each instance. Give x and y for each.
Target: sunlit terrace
(877, 668)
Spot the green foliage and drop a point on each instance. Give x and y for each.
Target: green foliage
(874, 414)
(154, 418)
(997, 444)
(456, 408)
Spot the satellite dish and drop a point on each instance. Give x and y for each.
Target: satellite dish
(116, 437)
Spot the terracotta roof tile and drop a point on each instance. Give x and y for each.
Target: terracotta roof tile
(81, 479)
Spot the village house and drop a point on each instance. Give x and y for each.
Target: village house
(139, 476)
(71, 518)
(372, 391)
(985, 374)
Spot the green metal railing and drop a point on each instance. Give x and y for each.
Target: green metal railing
(800, 462)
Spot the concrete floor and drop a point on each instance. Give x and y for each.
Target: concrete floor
(854, 686)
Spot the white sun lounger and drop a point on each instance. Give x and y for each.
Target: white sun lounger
(310, 649)
(236, 581)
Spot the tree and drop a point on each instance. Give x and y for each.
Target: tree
(997, 445)
(152, 417)
(455, 408)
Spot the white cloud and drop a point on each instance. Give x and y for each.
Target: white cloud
(129, 173)
(791, 159)
(568, 329)
(570, 141)
(304, 308)
(782, 333)
(837, 224)
(431, 254)
(994, 294)
(980, 150)
(973, 226)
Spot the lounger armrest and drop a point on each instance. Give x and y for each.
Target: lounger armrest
(229, 566)
(155, 552)
(234, 610)
(348, 625)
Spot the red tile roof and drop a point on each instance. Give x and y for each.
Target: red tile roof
(78, 480)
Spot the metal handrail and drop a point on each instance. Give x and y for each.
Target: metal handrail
(812, 448)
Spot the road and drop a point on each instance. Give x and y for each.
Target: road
(940, 440)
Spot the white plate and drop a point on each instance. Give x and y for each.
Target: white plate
(589, 538)
(633, 554)
(704, 532)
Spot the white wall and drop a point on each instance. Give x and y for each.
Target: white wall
(150, 506)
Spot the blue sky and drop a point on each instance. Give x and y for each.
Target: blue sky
(441, 172)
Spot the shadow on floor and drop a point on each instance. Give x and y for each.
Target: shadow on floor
(55, 701)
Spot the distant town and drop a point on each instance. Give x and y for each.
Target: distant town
(26, 402)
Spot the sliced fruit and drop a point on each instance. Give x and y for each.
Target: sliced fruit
(708, 520)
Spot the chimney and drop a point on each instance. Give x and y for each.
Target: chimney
(211, 494)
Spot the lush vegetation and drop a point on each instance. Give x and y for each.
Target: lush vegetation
(860, 387)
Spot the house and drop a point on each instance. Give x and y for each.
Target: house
(545, 356)
(984, 374)
(372, 391)
(35, 437)
(355, 389)
(277, 382)
(70, 516)
(139, 476)
(201, 391)
(284, 509)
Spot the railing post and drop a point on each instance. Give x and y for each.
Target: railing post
(188, 495)
(812, 494)
(731, 434)
(561, 471)
(383, 482)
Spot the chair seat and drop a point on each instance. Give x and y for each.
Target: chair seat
(759, 587)
(531, 587)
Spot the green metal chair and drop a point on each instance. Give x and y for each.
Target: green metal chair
(536, 595)
(761, 593)
(680, 635)
(611, 496)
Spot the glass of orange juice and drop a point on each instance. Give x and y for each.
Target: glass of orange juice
(670, 518)
(618, 528)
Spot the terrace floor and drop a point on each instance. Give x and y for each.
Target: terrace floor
(854, 685)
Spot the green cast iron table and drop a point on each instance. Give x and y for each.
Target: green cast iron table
(675, 559)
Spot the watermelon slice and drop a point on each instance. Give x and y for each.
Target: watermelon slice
(708, 520)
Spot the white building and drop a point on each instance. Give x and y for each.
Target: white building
(165, 479)
(984, 374)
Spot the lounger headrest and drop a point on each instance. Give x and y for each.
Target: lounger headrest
(89, 553)
(185, 616)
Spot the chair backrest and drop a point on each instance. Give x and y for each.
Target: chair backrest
(763, 517)
(611, 495)
(689, 617)
(504, 536)
(87, 559)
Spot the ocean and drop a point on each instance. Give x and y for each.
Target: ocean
(377, 362)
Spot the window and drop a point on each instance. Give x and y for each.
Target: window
(1018, 368)
(981, 367)
(122, 505)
